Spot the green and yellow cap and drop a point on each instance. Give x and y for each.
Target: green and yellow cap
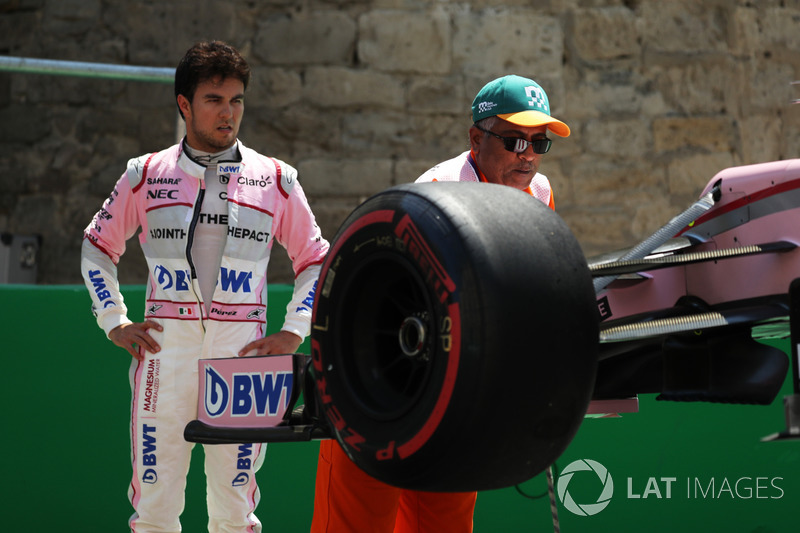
(518, 100)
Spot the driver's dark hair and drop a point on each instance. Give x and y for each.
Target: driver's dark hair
(207, 60)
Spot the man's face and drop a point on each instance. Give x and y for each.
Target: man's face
(214, 114)
(498, 164)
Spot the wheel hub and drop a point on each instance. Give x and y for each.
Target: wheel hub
(412, 336)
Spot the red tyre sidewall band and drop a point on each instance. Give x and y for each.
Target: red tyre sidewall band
(413, 444)
(356, 440)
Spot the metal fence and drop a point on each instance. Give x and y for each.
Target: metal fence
(93, 70)
(89, 70)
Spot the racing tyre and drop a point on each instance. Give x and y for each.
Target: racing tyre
(454, 336)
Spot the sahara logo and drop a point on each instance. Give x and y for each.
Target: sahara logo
(585, 509)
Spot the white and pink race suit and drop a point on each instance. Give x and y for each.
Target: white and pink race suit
(464, 168)
(261, 202)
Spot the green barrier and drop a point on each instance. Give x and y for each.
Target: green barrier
(65, 460)
(693, 467)
(66, 453)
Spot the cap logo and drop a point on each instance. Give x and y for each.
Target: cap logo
(486, 106)
(537, 98)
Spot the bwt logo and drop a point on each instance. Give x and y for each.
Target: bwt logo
(249, 394)
(167, 279)
(229, 169)
(590, 467)
(234, 281)
(100, 289)
(150, 475)
(244, 461)
(226, 170)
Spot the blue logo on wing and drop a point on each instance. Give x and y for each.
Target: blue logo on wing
(216, 393)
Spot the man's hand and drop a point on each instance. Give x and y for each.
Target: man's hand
(277, 343)
(131, 336)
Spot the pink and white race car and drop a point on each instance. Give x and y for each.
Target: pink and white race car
(460, 336)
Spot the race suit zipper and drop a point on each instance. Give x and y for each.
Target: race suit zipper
(198, 206)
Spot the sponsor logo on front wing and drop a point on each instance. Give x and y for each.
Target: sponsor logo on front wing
(247, 394)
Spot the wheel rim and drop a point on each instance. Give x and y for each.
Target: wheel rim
(386, 337)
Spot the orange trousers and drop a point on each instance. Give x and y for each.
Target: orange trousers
(347, 500)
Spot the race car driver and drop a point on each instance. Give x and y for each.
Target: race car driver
(508, 137)
(210, 210)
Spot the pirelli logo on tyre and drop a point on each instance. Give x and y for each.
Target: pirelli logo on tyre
(416, 246)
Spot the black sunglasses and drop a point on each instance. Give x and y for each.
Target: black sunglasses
(517, 145)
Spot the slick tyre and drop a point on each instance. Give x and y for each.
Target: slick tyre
(454, 336)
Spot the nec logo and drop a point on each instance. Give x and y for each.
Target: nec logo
(163, 194)
(258, 394)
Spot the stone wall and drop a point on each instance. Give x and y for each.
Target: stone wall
(363, 94)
